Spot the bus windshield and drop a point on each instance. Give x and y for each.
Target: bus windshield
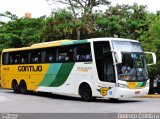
(133, 67)
(126, 46)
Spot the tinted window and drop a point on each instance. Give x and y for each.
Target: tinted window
(20, 57)
(66, 54)
(36, 56)
(50, 55)
(83, 53)
(5, 58)
(24, 56)
(14, 58)
(74, 53)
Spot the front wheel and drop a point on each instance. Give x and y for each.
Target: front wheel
(86, 93)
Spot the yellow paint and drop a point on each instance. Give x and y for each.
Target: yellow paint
(58, 42)
(83, 70)
(104, 91)
(132, 85)
(38, 45)
(10, 72)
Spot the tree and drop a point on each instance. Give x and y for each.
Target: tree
(85, 8)
(20, 32)
(59, 26)
(9, 15)
(124, 21)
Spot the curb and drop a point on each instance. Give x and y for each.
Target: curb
(151, 96)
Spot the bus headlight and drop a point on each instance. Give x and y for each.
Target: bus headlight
(122, 85)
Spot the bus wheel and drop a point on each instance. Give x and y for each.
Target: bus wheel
(23, 87)
(15, 87)
(86, 92)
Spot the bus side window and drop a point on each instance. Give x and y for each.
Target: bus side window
(65, 54)
(50, 55)
(5, 58)
(24, 57)
(14, 58)
(36, 56)
(11, 59)
(50, 58)
(17, 58)
(83, 53)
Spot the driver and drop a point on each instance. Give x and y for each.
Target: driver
(126, 68)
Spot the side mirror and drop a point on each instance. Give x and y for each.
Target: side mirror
(154, 59)
(118, 56)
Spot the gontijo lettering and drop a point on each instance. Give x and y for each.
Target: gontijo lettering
(30, 68)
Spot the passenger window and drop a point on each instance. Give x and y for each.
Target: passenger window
(36, 56)
(50, 55)
(24, 57)
(83, 53)
(14, 58)
(20, 57)
(5, 58)
(65, 54)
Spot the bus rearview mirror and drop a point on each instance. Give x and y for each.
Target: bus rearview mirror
(118, 56)
(154, 59)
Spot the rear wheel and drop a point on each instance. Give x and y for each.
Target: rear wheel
(86, 92)
(23, 87)
(15, 87)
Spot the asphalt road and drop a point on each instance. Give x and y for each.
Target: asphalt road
(51, 103)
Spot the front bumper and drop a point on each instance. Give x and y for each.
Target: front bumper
(125, 92)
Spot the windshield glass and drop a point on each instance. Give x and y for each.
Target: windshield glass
(127, 46)
(133, 67)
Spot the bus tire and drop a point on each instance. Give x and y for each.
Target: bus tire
(23, 87)
(85, 92)
(15, 87)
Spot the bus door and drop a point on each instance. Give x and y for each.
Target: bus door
(104, 63)
(108, 69)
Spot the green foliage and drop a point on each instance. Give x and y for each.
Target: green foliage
(58, 26)
(20, 32)
(9, 15)
(150, 40)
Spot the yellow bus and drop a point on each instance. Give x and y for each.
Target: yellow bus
(90, 68)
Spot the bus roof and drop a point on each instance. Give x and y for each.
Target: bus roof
(65, 42)
(111, 39)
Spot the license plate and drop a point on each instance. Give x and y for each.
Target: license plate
(137, 92)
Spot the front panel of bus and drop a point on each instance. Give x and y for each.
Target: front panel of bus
(129, 78)
(131, 74)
